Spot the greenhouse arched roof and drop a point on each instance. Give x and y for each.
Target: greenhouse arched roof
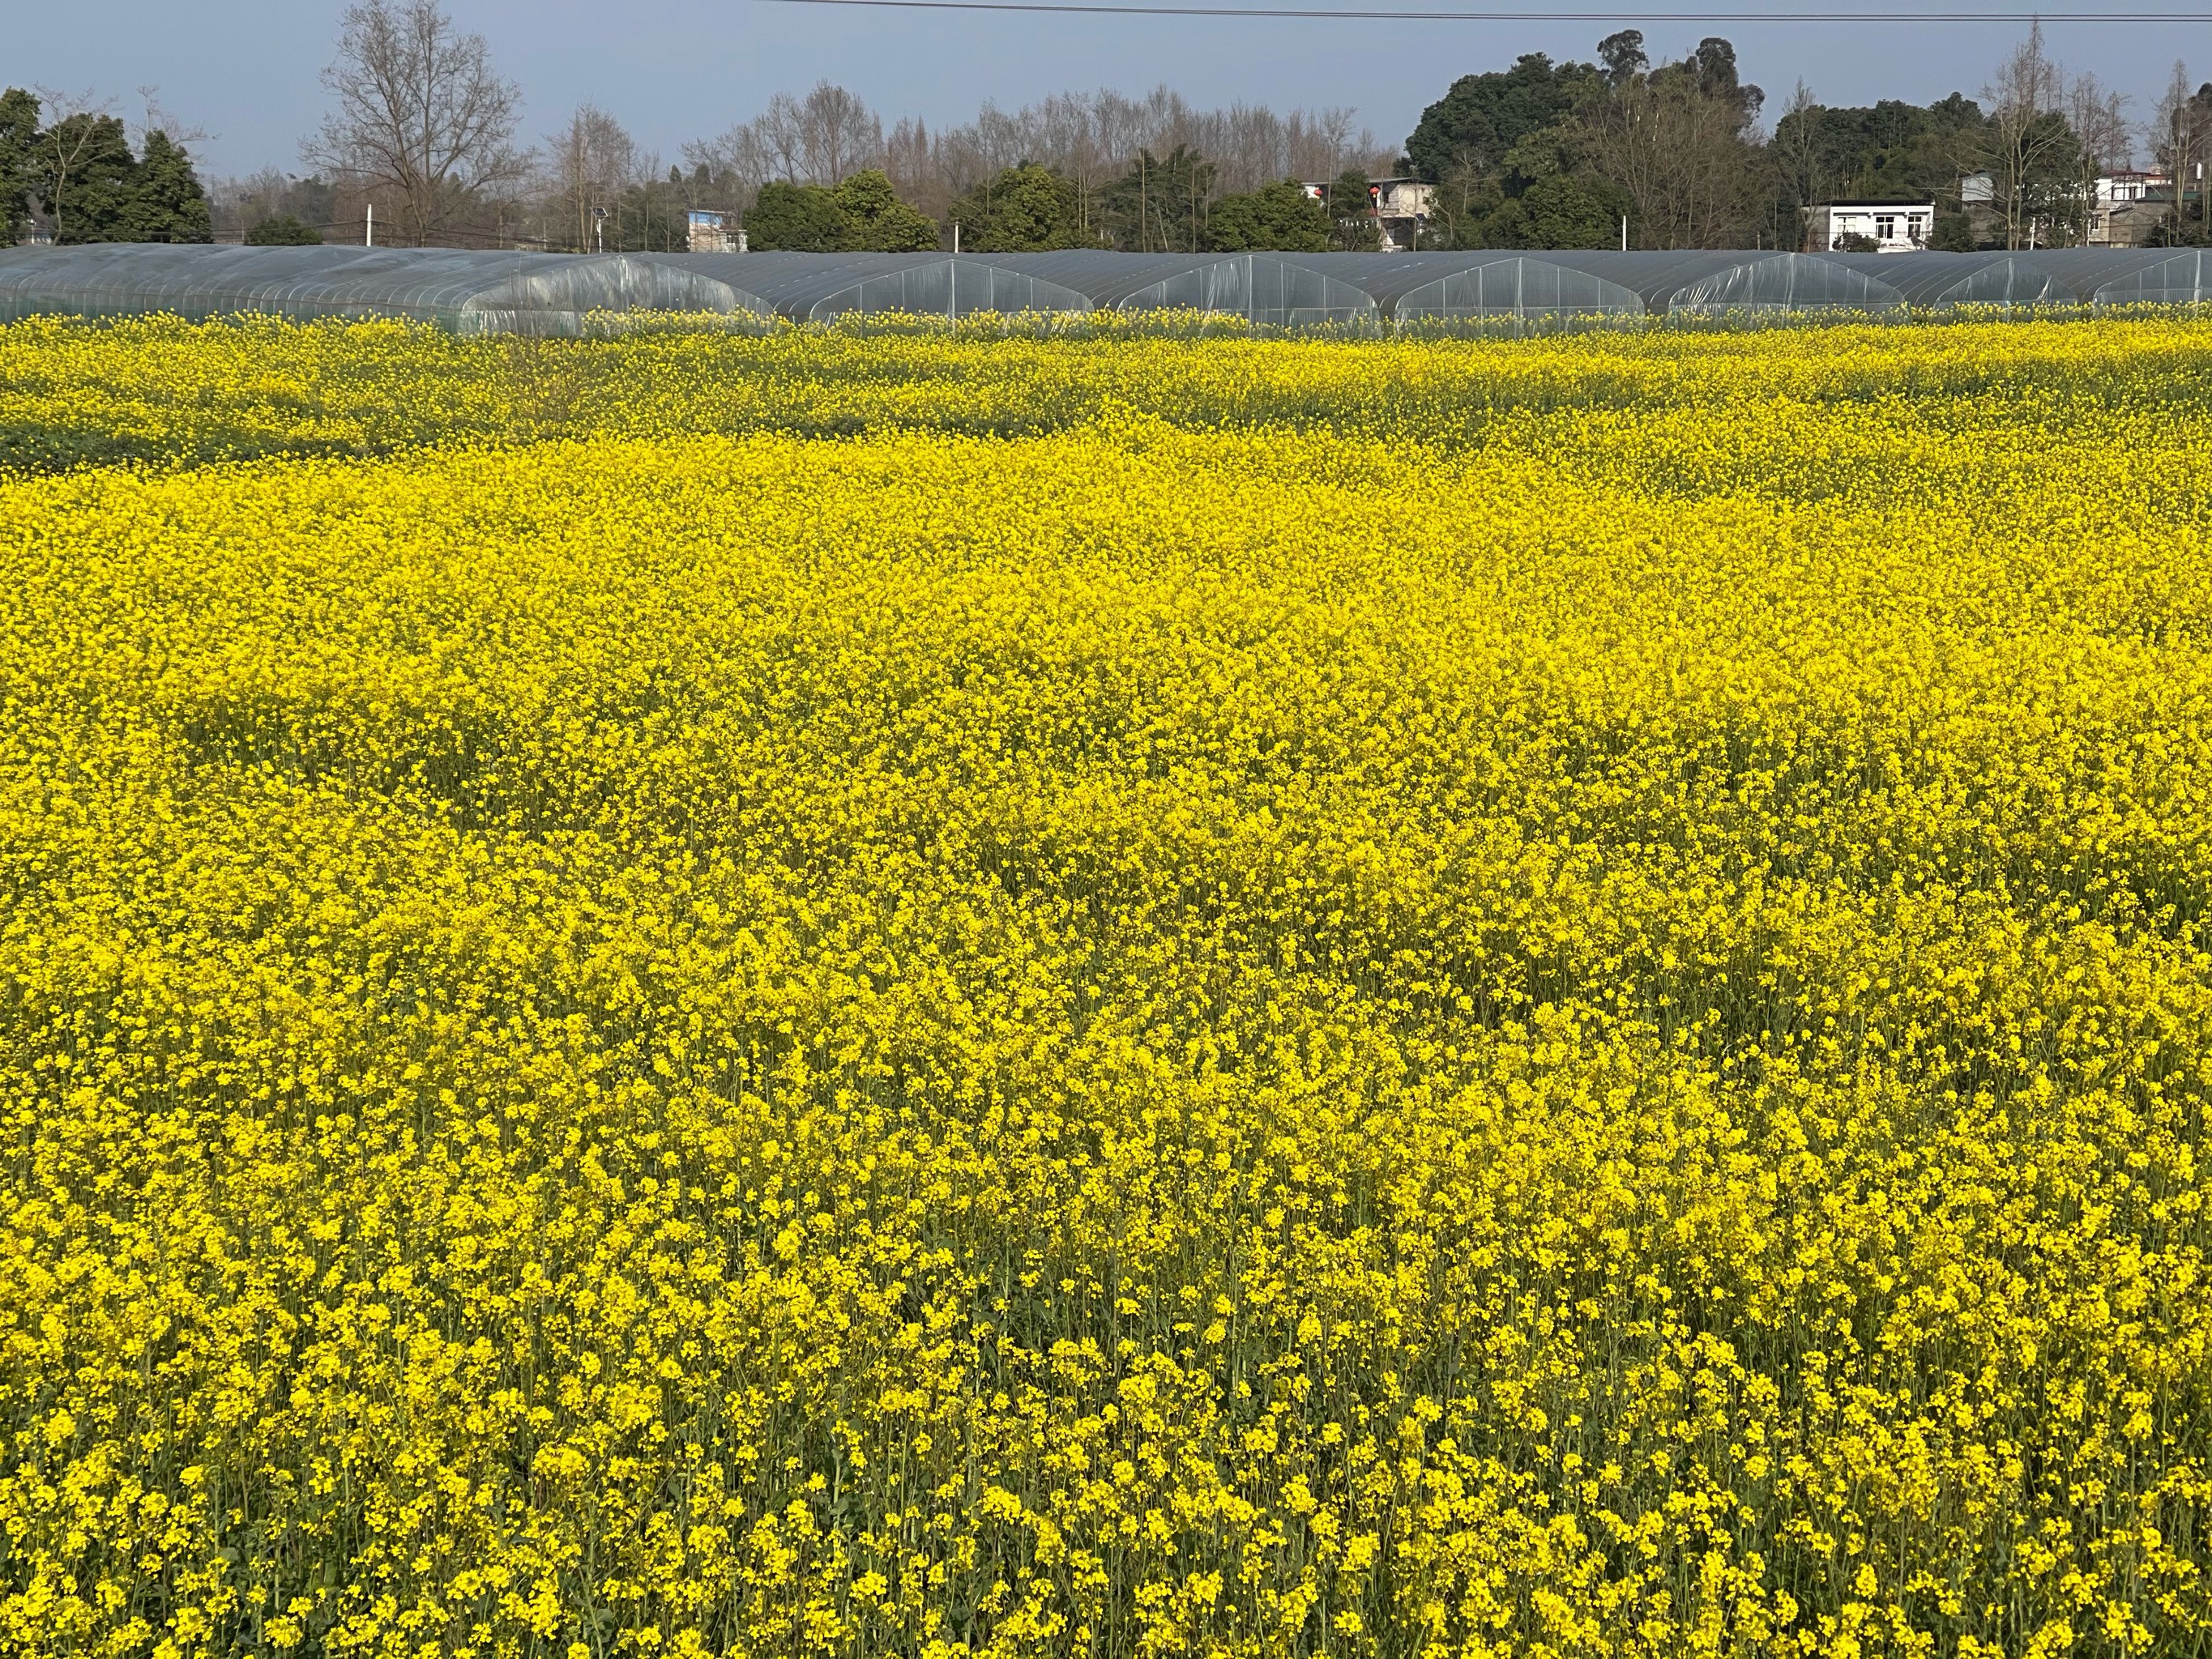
(463, 289)
(552, 294)
(1716, 283)
(2169, 276)
(814, 286)
(1275, 290)
(2026, 277)
(1499, 283)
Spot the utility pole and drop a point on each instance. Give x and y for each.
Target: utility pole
(368, 235)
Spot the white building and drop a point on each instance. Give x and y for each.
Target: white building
(1871, 226)
(1402, 208)
(2127, 208)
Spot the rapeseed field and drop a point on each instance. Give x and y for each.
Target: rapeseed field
(917, 994)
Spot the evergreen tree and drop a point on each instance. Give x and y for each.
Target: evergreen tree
(1024, 209)
(165, 201)
(877, 221)
(1558, 210)
(282, 230)
(1353, 228)
(1474, 126)
(1159, 206)
(86, 178)
(1280, 216)
(19, 138)
(795, 219)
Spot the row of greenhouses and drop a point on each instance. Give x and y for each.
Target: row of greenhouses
(556, 294)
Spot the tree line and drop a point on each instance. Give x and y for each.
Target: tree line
(1547, 155)
(424, 136)
(74, 174)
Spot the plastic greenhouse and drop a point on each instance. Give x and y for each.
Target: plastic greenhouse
(1717, 283)
(553, 294)
(815, 287)
(1937, 281)
(1445, 287)
(2173, 277)
(2044, 276)
(1274, 291)
(466, 291)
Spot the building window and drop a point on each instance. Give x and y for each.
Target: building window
(1885, 228)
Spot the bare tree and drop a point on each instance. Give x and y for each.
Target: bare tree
(838, 135)
(1797, 153)
(820, 139)
(1678, 141)
(2104, 142)
(2028, 146)
(158, 119)
(2181, 136)
(420, 112)
(592, 158)
(1091, 138)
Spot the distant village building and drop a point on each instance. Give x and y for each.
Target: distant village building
(2127, 206)
(1875, 226)
(1402, 208)
(709, 232)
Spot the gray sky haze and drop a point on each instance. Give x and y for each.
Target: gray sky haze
(686, 69)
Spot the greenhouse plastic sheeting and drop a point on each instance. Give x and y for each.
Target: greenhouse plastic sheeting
(1480, 285)
(1716, 284)
(468, 291)
(2039, 276)
(813, 287)
(1936, 280)
(553, 294)
(1274, 291)
(2160, 276)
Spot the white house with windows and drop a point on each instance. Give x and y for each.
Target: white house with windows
(1871, 226)
(2126, 208)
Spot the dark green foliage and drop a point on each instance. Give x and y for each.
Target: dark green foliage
(862, 215)
(1891, 150)
(877, 221)
(1473, 126)
(1952, 233)
(1024, 209)
(1558, 210)
(795, 219)
(1351, 218)
(165, 203)
(282, 230)
(1280, 216)
(83, 171)
(1159, 205)
(1624, 57)
(19, 138)
(92, 189)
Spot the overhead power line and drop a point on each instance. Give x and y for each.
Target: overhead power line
(2013, 18)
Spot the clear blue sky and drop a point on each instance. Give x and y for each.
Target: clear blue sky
(681, 69)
